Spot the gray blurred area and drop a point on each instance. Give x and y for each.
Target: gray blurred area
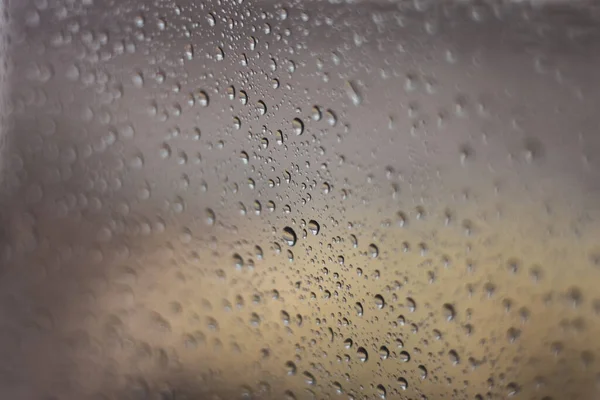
(299, 200)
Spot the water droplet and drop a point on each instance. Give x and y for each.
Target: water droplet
(363, 356)
(188, 51)
(210, 18)
(379, 301)
(448, 312)
(338, 388)
(316, 113)
(353, 94)
(404, 356)
(290, 368)
(314, 227)
(261, 107)
(210, 217)
(453, 356)
(411, 304)
(309, 378)
(359, 309)
(243, 97)
(402, 383)
(219, 54)
(238, 261)
(202, 98)
(331, 118)
(139, 21)
(373, 251)
(512, 389)
(298, 126)
(384, 353)
(512, 334)
(381, 392)
(230, 92)
(254, 319)
(289, 236)
(257, 207)
(237, 123)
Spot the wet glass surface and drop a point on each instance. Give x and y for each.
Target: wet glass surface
(297, 200)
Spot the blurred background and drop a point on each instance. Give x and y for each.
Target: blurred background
(299, 199)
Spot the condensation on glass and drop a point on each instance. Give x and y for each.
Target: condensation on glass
(297, 200)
